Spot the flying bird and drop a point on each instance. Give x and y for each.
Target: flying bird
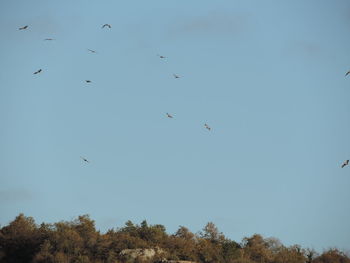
(23, 28)
(176, 76)
(168, 115)
(92, 51)
(84, 159)
(345, 164)
(107, 25)
(347, 73)
(160, 56)
(206, 126)
(88, 81)
(36, 72)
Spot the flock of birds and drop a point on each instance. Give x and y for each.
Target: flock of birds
(345, 163)
(89, 81)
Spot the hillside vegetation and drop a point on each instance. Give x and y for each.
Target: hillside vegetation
(22, 240)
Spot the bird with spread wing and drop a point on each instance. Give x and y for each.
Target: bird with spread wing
(345, 164)
(84, 159)
(38, 71)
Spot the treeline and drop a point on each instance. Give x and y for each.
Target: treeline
(79, 241)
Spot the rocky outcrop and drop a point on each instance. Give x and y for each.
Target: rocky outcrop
(131, 255)
(142, 253)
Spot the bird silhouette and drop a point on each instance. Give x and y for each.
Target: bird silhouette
(160, 56)
(84, 159)
(38, 71)
(176, 76)
(23, 28)
(168, 115)
(107, 25)
(345, 164)
(347, 73)
(88, 81)
(206, 126)
(92, 51)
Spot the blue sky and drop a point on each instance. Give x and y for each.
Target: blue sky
(267, 77)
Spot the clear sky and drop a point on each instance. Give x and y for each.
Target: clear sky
(267, 76)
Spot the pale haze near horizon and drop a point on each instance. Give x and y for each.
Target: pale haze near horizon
(267, 76)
